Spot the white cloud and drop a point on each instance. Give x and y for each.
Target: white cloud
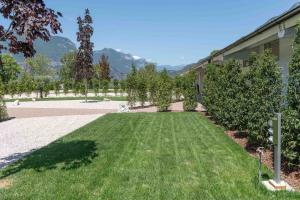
(118, 50)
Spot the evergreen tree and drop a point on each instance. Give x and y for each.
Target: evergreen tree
(84, 58)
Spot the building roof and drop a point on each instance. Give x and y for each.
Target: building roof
(295, 9)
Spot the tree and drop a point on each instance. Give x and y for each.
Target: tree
(84, 58)
(151, 82)
(178, 87)
(123, 86)
(189, 91)
(164, 91)
(57, 87)
(96, 86)
(105, 87)
(291, 115)
(30, 19)
(10, 69)
(3, 113)
(132, 86)
(265, 85)
(116, 86)
(12, 87)
(141, 86)
(39, 66)
(67, 71)
(104, 68)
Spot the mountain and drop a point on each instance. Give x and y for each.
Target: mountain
(54, 49)
(120, 62)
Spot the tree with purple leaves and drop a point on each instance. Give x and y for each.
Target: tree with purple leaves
(84, 59)
(28, 20)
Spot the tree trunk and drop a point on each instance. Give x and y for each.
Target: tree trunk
(86, 90)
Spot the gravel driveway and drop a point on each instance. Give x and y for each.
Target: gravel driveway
(21, 136)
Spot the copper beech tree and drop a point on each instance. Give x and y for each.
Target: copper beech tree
(84, 59)
(28, 21)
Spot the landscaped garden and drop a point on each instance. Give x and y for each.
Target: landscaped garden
(140, 156)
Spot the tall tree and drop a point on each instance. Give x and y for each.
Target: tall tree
(84, 58)
(67, 71)
(164, 91)
(104, 68)
(10, 70)
(132, 86)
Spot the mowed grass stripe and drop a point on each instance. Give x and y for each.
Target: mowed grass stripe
(140, 156)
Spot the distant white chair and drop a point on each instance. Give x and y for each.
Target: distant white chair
(123, 108)
(16, 102)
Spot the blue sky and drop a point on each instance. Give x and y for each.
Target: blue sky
(168, 31)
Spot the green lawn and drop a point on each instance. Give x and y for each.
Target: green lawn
(140, 156)
(69, 98)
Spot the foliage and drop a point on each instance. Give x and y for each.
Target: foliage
(96, 86)
(10, 69)
(57, 87)
(132, 86)
(27, 84)
(12, 87)
(141, 86)
(265, 90)
(291, 116)
(123, 86)
(105, 87)
(67, 71)
(151, 82)
(164, 91)
(104, 68)
(244, 99)
(29, 19)
(178, 87)
(84, 58)
(39, 66)
(116, 86)
(189, 91)
(3, 112)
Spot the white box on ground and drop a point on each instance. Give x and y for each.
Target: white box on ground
(273, 186)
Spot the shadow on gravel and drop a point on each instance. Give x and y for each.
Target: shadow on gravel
(58, 155)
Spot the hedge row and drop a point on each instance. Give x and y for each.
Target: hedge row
(246, 98)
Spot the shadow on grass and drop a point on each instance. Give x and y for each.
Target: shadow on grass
(58, 155)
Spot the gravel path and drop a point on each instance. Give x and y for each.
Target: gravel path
(21, 136)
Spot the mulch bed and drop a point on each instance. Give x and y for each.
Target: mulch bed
(292, 177)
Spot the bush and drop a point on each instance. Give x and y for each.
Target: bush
(189, 91)
(3, 112)
(116, 86)
(164, 91)
(266, 96)
(244, 99)
(291, 116)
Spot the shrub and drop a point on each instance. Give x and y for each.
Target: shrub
(123, 86)
(164, 91)
(3, 112)
(266, 96)
(291, 116)
(105, 87)
(189, 91)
